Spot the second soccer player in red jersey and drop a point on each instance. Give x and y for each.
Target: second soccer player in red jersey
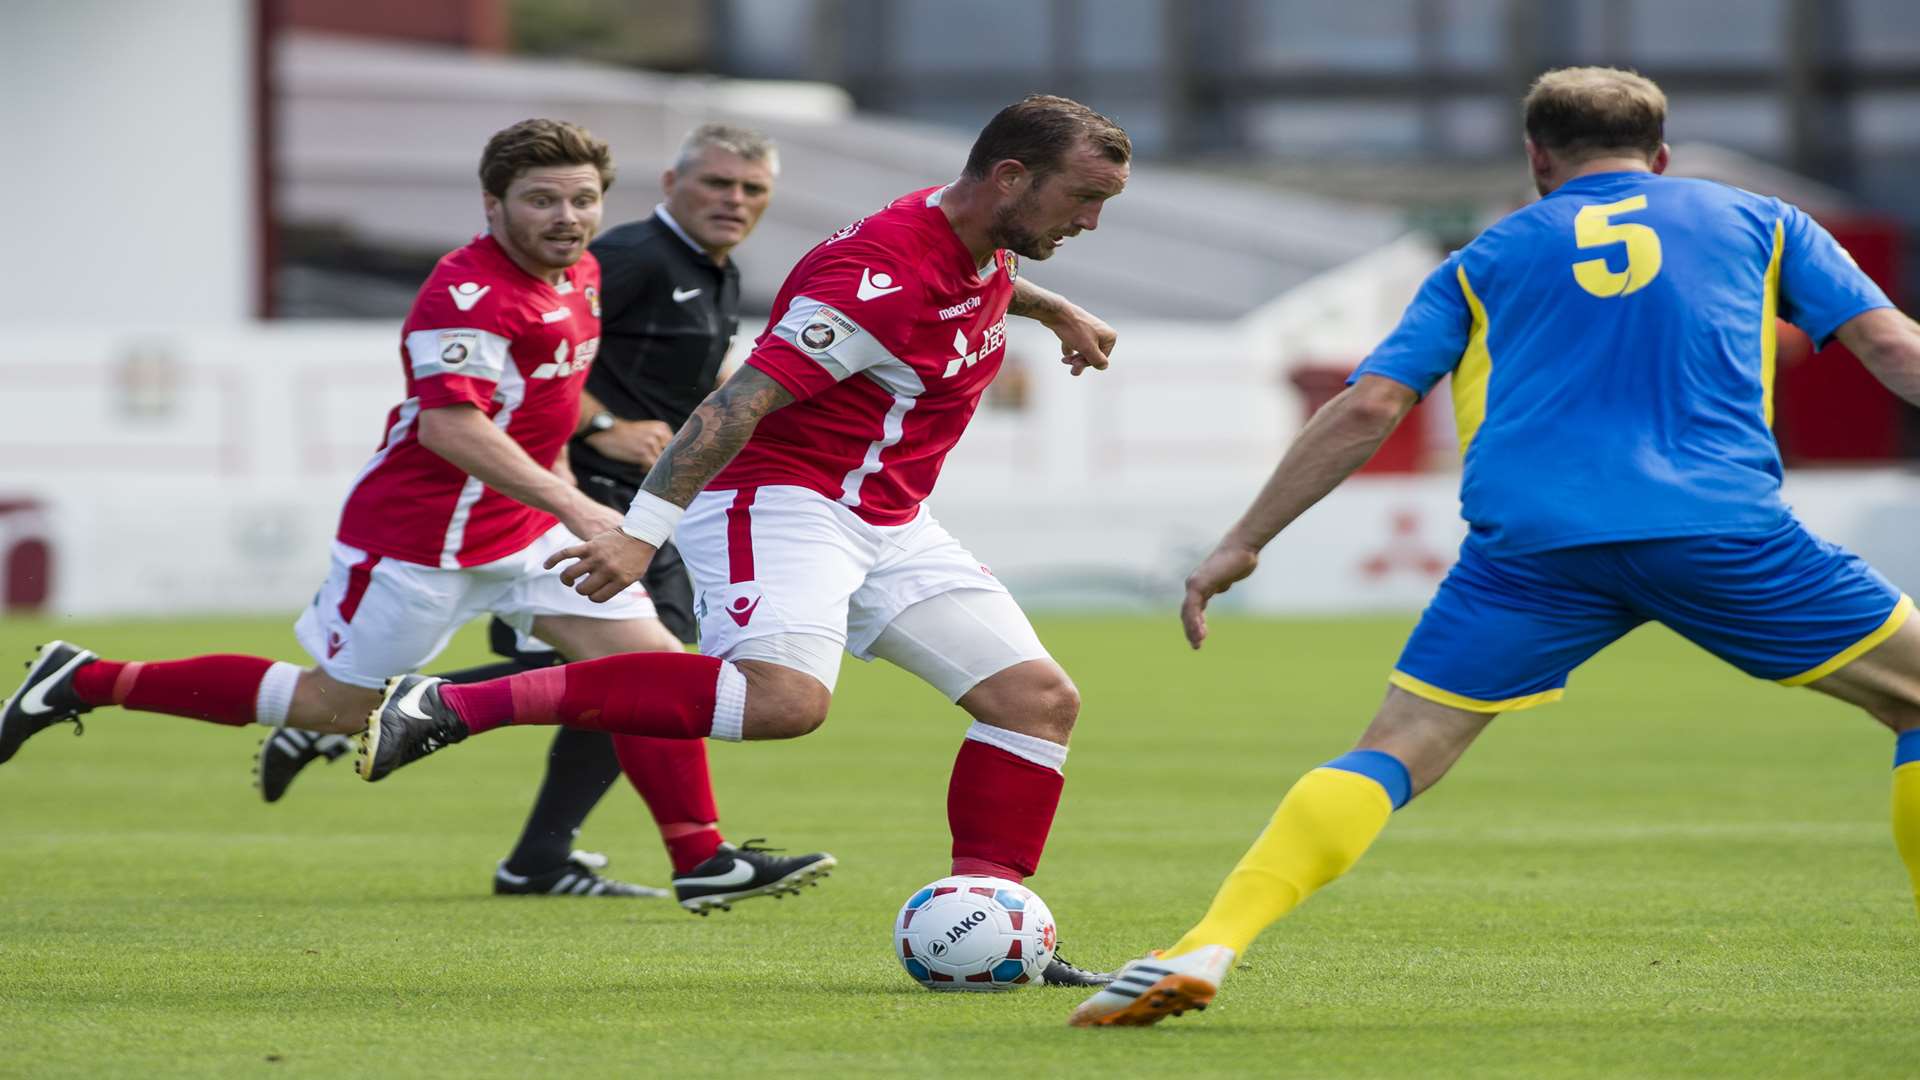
(802, 482)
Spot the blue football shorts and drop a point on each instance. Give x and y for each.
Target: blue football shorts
(1504, 632)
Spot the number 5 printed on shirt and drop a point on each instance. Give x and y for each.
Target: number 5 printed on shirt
(1593, 227)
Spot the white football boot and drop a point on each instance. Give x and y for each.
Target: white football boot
(1155, 987)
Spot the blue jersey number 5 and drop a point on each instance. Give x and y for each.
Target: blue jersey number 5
(1593, 226)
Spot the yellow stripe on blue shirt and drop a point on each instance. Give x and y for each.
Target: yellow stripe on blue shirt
(1769, 324)
(1476, 368)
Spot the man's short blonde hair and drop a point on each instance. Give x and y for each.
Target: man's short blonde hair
(1584, 112)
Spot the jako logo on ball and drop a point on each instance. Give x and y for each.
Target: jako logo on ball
(974, 933)
(959, 930)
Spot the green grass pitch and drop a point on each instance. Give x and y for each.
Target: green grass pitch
(1675, 872)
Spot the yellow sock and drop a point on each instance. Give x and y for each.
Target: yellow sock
(1324, 824)
(1906, 809)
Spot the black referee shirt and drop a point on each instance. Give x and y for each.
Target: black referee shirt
(667, 314)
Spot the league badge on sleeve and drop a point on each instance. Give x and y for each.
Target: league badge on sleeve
(817, 336)
(826, 329)
(455, 348)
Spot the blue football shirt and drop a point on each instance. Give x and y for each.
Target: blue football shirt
(1612, 352)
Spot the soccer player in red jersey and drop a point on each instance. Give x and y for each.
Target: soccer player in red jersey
(455, 514)
(802, 483)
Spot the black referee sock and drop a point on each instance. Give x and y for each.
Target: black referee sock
(580, 768)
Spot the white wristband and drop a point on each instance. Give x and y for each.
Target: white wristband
(651, 518)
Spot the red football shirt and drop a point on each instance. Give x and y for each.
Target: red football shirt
(886, 335)
(486, 333)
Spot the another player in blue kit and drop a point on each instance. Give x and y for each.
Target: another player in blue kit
(1612, 351)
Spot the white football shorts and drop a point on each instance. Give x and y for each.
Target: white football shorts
(375, 618)
(786, 575)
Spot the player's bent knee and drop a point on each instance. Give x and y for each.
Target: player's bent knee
(1034, 698)
(782, 703)
(1058, 705)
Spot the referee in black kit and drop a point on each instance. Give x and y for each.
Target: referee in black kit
(669, 307)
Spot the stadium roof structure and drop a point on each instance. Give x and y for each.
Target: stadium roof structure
(376, 144)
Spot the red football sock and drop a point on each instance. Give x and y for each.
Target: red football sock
(663, 694)
(1000, 808)
(671, 775)
(220, 688)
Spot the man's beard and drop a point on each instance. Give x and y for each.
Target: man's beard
(529, 241)
(1011, 234)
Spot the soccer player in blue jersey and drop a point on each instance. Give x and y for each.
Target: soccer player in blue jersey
(1612, 354)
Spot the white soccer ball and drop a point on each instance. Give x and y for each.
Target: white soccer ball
(974, 933)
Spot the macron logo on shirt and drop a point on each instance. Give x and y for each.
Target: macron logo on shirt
(874, 286)
(964, 307)
(466, 294)
(741, 609)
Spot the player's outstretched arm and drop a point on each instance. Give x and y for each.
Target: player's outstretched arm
(1888, 343)
(1085, 341)
(709, 439)
(1335, 441)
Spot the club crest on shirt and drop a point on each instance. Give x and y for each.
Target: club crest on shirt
(826, 329)
(593, 301)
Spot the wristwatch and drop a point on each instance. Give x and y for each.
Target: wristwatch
(600, 421)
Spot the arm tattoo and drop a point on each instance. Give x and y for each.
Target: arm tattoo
(714, 434)
(1034, 302)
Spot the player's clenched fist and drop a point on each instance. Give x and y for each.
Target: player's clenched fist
(1085, 340)
(605, 565)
